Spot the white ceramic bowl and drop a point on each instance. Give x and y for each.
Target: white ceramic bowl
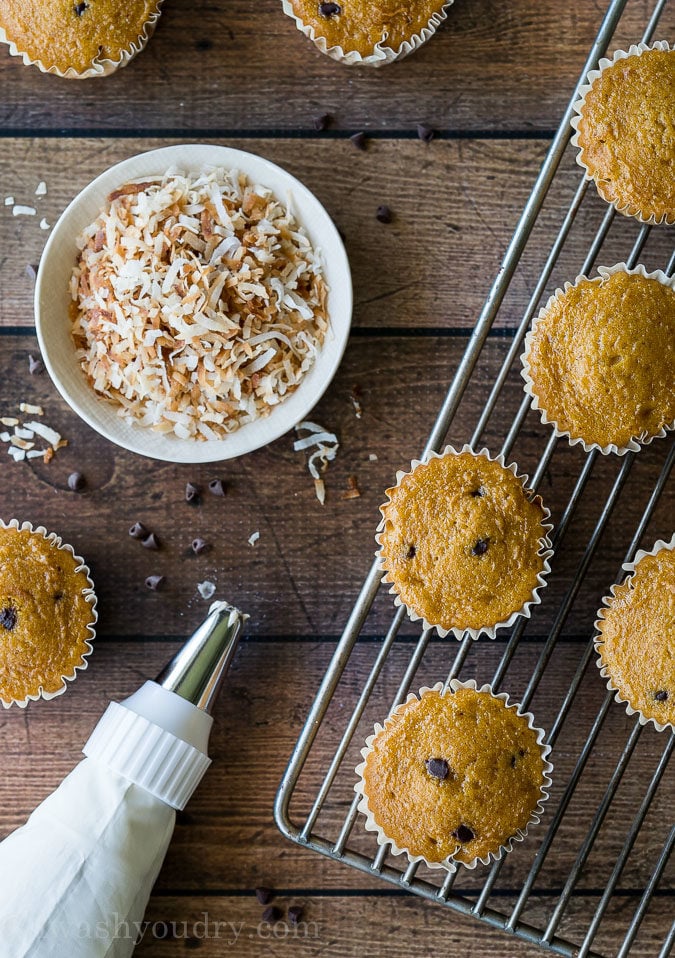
(52, 300)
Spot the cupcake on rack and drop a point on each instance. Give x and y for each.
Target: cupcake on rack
(367, 32)
(47, 614)
(636, 637)
(463, 544)
(599, 361)
(75, 39)
(625, 131)
(453, 776)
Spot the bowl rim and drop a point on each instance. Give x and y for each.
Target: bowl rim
(324, 236)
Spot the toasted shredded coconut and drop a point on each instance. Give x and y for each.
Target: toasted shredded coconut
(328, 445)
(9, 201)
(206, 589)
(41, 188)
(253, 538)
(23, 210)
(198, 303)
(33, 410)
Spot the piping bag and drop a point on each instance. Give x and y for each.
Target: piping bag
(76, 878)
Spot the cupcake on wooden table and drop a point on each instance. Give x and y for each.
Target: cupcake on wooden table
(77, 39)
(368, 32)
(454, 776)
(599, 361)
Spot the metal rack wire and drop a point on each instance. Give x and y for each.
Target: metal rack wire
(342, 842)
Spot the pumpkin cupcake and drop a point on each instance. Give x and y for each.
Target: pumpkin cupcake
(47, 614)
(636, 637)
(599, 361)
(454, 776)
(74, 39)
(367, 32)
(463, 544)
(625, 131)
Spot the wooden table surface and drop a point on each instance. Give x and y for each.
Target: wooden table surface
(493, 83)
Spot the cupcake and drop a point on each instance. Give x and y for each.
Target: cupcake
(368, 32)
(599, 360)
(47, 614)
(625, 131)
(78, 39)
(636, 637)
(463, 543)
(454, 776)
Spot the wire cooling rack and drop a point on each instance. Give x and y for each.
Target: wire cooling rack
(610, 816)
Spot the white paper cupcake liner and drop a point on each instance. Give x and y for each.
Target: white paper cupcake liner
(88, 594)
(101, 66)
(636, 442)
(635, 50)
(545, 551)
(598, 641)
(450, 863)
(382, 54)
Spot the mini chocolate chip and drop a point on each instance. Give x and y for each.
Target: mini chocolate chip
(411, 553)
(192, 492)
(58, 596)
(425, 133)
(197, 546)
(330, 9)
(150, 542)
(359, 141)
(437, 767)
(478, 493)
(8, 617)
(216, 487)
(138, 531)
(79, 8)
(154, 582)
(76, 481)
(294, 914)
(35, 366)
(322, 122)
(272, 913)
(384, 214)
(480, 548)
(661, 696)
(264, 895)
(463, 834)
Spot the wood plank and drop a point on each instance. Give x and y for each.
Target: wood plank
(455, 205)
(493, 66)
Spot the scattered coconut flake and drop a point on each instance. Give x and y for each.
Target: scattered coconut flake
(253, 538)
(21, 443)
(33, 410)
(206, 589)
(35, 454)
(372, 457)
(45, 432)
(9, 421)
(327, 446)
(17, 454)
(23, 210)
(23, 433)
(352, 491)
(44, 225)
(9, 201)
(41, 189)
(5, 437)
(320, 490)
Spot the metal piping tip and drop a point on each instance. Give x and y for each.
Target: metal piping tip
(196, 673)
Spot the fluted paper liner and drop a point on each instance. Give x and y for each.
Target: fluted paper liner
(382, 54)
(544, 551)
(598, 640)
(101, 66)
(636, 442)
(450, 863)
(88, 594)
(635, 49)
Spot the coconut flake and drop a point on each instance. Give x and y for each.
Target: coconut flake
(44, 225)
(9, 201)
(23, 211)
(33, 410)
(41, 188)
(206, 589)
(327, 446)
(253, 538)
(50, 435)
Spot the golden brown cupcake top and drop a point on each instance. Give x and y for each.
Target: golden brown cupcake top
(626, 134)
(454, 775)
(602, 359)
(73, 33)
(461, 541)
(44, 614)
(359, 25)
(637, 637)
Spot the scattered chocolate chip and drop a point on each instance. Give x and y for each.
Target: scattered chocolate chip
(384, 214)
(197, 546)
(216, 487)
(138, 531)
(8, 617)
(322, 122)
(192, 492)
(437, 768)
(463, 834)
(330, 9)
(264, 895)
(272, 914)
(480, 547)
(76, 482)
(411, 553)
(661, 696)
(478, 493)
(150, 542)
(154, 582)
(294, 914)
(359, 141)
(79, 8)
(425, 133)
(35, 366)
